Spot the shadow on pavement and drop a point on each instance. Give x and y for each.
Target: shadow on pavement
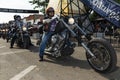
(34, 49)
(115, 75)
(69, 61)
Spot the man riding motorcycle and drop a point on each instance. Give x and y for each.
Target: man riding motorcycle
(16, 18)
(49, 28)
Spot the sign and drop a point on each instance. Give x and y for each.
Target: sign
(106, 8)
(18, 10)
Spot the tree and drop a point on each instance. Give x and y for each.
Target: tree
(40, 4)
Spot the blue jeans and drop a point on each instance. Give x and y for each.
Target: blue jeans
(45, 38)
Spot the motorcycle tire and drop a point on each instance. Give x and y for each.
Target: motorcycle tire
(105, 56)
(26, 42)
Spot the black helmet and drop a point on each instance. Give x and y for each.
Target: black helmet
(17, 17)
(50, 9)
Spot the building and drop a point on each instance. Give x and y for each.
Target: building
(33, 19)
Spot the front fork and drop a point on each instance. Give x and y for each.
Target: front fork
(87, 49)
(75, 35)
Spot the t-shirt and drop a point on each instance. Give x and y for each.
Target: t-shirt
(52, 24)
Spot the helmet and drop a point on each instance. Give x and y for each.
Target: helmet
(50, 9)
(17, 17)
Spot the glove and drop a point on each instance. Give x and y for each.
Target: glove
(46, 21)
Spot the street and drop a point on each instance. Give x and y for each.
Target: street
(23, 64)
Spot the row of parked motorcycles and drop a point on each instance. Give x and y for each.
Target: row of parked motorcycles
(99, 53)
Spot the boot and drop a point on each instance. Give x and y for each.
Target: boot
(41, 58)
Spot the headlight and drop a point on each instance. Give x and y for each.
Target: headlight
(71, 21)
(24, 29)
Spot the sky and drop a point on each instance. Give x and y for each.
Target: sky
(14, 4)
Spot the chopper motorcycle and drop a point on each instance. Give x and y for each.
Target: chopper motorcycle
(99, 53)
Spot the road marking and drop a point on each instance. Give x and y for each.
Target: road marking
(23, 73)
(5, 53)
(2, 46)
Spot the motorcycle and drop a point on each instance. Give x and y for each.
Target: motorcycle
(23, 38)
(99, 53)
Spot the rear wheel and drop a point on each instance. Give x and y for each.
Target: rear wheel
(105, 60)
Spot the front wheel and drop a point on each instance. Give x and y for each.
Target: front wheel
(105, 56)
(26, 42)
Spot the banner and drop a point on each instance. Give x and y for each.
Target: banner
(106, 8)
(18, 10)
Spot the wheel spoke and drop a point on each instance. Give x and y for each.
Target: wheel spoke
(102, 60)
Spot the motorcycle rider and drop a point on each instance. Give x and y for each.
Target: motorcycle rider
(49, 28)
(9, 32)
(16, 19)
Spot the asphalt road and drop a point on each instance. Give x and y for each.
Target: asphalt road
(23, 64)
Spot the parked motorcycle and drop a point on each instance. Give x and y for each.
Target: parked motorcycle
(99, 53)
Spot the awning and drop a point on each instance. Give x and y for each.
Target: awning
(67, 6)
